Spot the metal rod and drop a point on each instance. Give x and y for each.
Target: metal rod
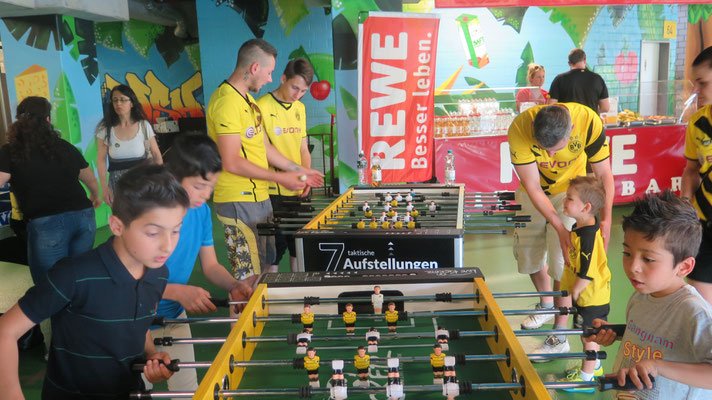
(417, 314)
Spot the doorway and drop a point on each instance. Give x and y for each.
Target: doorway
(654, 88)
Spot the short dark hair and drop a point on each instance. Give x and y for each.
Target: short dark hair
(299, 67)
(361, 348)
(437, 346)
(704, 58)
(551, 125)
(252, 50)
(144, 188)
(590, 190)
(668, 217)
(576, 56)
(193, 155)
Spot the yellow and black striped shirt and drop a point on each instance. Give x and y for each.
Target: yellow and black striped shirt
(698, 147)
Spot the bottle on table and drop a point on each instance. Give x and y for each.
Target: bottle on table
(362, 166)
(449, 168)
(376, 170)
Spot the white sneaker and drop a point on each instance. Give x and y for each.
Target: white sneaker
(552, 345)
(535, 321)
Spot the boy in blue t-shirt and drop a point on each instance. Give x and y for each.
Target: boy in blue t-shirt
(102, 302)
(195, 162)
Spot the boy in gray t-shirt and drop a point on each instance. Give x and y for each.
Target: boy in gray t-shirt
(668, 331)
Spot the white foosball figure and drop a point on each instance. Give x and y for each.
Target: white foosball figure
(388, 198)
(387, 207)
(409, 207)
(384, 217)
(366, 207)
(432, 207)
(450, 387)
(409, 196)
(395, 217)
(394, 388)
(399, 198)
(303, 341)
(442, 336)
(338, 383)
(377, 299)
(372, 337)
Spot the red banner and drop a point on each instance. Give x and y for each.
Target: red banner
(396, 83)
(643, 160)
(551, 3)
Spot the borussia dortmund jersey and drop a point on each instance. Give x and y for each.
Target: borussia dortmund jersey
(587, 260)
(698, 147)
(286, 126)
(586, 143)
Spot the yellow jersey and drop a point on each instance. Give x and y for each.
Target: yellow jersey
(286, 126)
(362, 362)
(586, 143)
(587, 260)
(391, 316)
(311, 364)
(231, 113)
(698, 147)
(350, 317)
(307, 318)
(437, 360)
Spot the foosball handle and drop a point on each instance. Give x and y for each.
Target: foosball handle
(592, 355)
(619, 329)
(141, 395)
(163, 341)
(220, 302)
(611, 383)
(159, 321)
(173, 366)
(505, 195)
(520, 218)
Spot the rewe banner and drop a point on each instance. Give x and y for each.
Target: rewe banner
(396, 81)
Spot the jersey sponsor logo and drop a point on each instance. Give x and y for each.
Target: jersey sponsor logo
(287, 129)
(250, 132)
(555, 164)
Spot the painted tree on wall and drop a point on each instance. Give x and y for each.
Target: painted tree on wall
(78, 35)
(41, 29)
(576, 21)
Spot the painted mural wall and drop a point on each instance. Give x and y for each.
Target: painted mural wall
(293, 29)
(512, 38)
(72, 62)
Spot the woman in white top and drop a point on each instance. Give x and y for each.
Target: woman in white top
(124, 135)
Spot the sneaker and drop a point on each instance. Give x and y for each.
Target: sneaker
(535, 321)
(552, 345)
(596, 372)
(576, 377)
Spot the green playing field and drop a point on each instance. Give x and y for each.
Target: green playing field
(412, 373)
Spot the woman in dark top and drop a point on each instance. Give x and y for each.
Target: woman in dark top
(44, 172)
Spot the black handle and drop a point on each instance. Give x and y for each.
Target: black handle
(220, 302)
(619, 329)
(592, 355)
(173, 366)
(612, 383)
(159, 321)
(520, 218)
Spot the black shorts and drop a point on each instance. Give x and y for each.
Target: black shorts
(312, 371)
(585, 315)
(362, 370)
(372, 339)
(350, 324)
(303, 342)
(703, 262)
(309, 325)
(438, 369)
(394, 323)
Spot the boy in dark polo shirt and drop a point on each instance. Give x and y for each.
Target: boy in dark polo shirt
(103, 301)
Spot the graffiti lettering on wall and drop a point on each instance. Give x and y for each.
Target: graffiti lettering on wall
(158, 100)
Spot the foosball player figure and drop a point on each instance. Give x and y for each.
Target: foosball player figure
(398, 197)
(432, 207)
(397, 223)
(388, 198)
(450, 387)
(373, 224)
(392, 317)
(409, 196)
(311, 364)
(384, 217)
(366, 210)
(372, 337)
(338, 383)
(394, 203)
(362, 361)
(360, 224)
(308, 318)
(386, 224)
(350, 319)
(394, 388)
(437, 361)
(377, 300)
(442, 336)
(388, 208)
(303, 341)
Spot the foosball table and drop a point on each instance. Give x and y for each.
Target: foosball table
(448, 339)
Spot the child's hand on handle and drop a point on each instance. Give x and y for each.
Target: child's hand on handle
(641, 374)
(603, 333)
(156, 369)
